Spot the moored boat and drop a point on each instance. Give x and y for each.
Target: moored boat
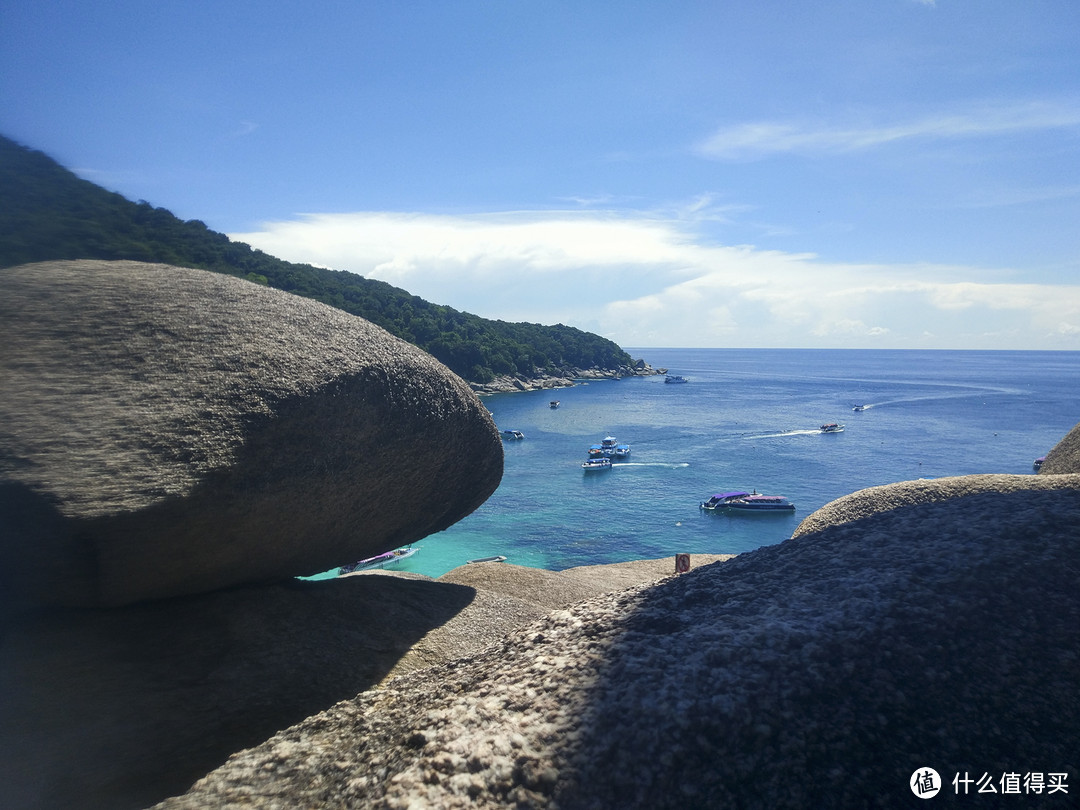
(608, 445)
(596, 464)
(379, 560)
(760, 503)
(492, 558)
(739, 501)
(1037, 464)
(832, 427)
(622, 452)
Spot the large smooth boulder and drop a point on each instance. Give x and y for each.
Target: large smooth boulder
(928, 625)
(166, 431)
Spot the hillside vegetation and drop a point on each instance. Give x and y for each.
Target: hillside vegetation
(48, 213)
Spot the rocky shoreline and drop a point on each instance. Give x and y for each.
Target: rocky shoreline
(565, 378)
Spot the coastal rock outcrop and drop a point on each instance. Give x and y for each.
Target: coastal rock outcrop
(931, 624)
(1064, 457)
(565, 378)
(167, 431)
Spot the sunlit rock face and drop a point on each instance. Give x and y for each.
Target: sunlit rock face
(1064, 458)
(167, 431)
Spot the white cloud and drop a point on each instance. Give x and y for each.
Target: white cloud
(763, 138)
(648, 281)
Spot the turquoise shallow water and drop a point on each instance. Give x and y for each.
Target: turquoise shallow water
(747, 419)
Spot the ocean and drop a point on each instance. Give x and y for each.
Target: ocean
(748, 419)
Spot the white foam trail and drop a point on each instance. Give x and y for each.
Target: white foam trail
(672, 464)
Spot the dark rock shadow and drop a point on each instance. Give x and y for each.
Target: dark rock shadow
(121, 708)
(822, 672)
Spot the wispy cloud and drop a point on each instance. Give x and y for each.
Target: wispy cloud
(244, 128)
(647, 281)
(763, 138)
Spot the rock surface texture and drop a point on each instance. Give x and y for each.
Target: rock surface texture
(1065, 455)
(166, 431)
(116, 709)
(925, 624)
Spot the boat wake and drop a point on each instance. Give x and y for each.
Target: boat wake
(670, 464)
(785, 433)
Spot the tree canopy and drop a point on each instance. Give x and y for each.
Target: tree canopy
(49, 213)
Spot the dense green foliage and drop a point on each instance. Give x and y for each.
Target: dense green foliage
(48, 213)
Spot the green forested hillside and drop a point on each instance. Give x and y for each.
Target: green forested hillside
(47, 212)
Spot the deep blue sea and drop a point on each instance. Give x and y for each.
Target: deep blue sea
(748, 419)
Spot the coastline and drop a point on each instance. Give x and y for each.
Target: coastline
(567, 378)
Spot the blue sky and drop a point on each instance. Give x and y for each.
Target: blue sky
(819, 173)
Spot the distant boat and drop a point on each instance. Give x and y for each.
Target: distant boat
(596, 464)
(493, 558)
(596, 451)
(380, 560)
(1037, 464)
(675, 378)
(858, 408)
(832, 427)
(555, 403)
(513, 435)
(608, 445)
(622, 451)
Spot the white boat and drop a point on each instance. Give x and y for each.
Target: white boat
(760, 503)
(622, 451)
(739, 501)
(555, 403)
(596, 464)
(493, 558)
(380, 560)
(675, 378)
(513, 435)
(832, 427)
(858, 408)
(596, 451)
(608, 445)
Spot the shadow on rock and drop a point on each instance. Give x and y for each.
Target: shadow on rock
(119, 708)
(824, 671)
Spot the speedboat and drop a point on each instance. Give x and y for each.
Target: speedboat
(380, 560)
(513, 435)
(596, 464)
(554, 403)
(760, 503)
(675, 378)
(858, 408)
(722, 499)
(832, 427)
